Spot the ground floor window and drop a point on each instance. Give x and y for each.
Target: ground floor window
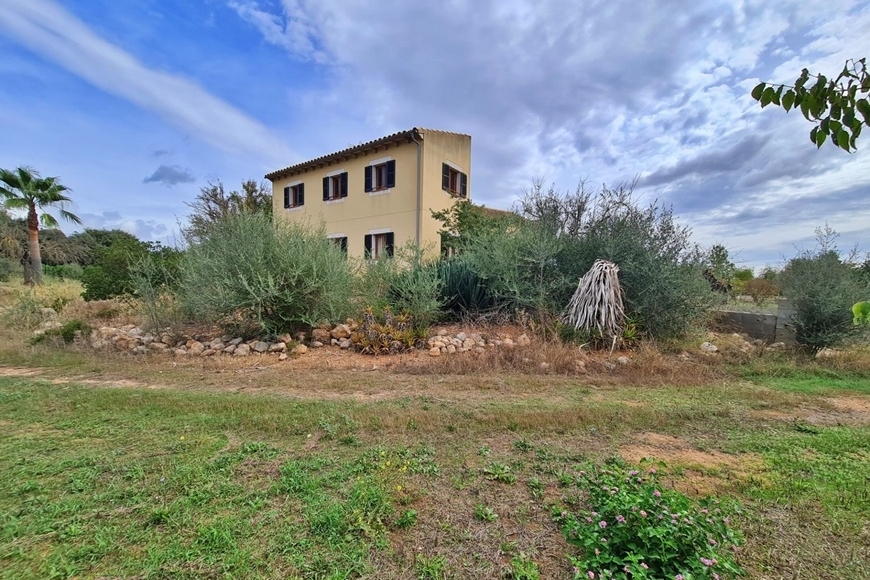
(379, 245)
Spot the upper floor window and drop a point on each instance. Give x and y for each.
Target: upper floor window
(454, 181)
(380, 176)
(335, 186)
(294, 195)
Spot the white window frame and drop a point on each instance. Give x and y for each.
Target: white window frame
(292, 185)
(373, 164)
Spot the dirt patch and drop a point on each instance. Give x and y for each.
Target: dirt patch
(19, 372)
(845, 410)
(705, 471)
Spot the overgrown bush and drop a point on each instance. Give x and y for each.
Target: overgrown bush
(823, 287)
(7, 266)
(251, 276)
(406, 283)
(63, 271)
(519, 267)
(67, 332)
(109, 276)
(760, 289)
(534, 264)
(153, 281)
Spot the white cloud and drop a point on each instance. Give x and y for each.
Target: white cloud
(49, 30)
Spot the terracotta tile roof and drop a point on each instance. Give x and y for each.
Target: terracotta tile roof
(409, 135)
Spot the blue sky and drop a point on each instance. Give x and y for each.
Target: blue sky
(137, 104)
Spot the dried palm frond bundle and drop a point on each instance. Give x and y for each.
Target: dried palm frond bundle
(597, 302)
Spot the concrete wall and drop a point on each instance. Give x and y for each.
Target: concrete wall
(768, 327)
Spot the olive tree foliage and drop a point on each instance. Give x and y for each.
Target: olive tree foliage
(823, 286)
(659, 266)
(213, 204)
(251, 276)
(838, 107)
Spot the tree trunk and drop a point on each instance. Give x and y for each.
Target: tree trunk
(34, 258)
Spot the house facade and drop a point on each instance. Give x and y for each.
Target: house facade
(380, 194)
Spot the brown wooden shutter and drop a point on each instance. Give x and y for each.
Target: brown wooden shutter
(463, 185)
(325, 188)
(368, 246)
(368, 179)
(344, 184)
(391, 173)
(445, 177)
(300, 194)
(286, 197)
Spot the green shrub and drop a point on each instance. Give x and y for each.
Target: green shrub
(519, 268)
(63, 271)
(7, 267)
(406, 283)
(109, 276)
(632, 527)
(822, 288)
(534, 264)
(153, 280)
(67, 332)
(251, 276)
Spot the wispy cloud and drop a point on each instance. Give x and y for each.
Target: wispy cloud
(169, 175)
(52, 32)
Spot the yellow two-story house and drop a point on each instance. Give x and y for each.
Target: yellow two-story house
(379, 194)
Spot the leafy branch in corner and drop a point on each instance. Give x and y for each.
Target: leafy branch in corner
(836, 105)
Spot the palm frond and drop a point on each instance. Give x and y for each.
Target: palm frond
(16, 203)
(71, 217)
(597, 302)
(48, 220)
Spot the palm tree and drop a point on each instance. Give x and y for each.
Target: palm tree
(24, 188)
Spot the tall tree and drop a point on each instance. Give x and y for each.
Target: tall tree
(25, 189)
(838, 107)
(213, 204)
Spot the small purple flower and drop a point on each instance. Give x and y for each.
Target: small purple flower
(704, 511)
(602, 523)
(706, 561)
(603, 540)
(633, 472)
(591, 574)
(715, 576)
(679, 577)
(626, 569)
(713, 542)
(620, 519)
(653, 471)
(643, 514)
(644, 566)
(657, 493)
(588, 520)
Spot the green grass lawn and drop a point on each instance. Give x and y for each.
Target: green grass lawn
(204, 483)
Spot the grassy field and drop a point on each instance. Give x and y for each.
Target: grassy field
(212, 472)
(150, 467)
